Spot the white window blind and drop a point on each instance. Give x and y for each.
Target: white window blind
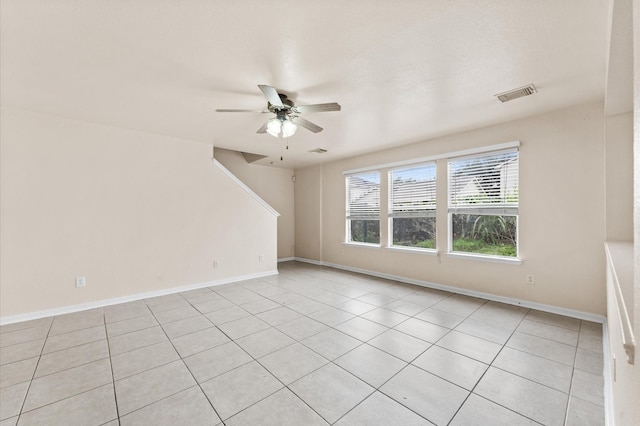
(484, 184)
(413, 192)
(363, 196)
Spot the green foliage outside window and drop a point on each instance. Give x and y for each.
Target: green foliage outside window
(415, 232)
(485, 234)
(365, 231)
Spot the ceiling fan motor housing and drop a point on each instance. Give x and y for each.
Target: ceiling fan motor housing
(287, 104)
(287, 113)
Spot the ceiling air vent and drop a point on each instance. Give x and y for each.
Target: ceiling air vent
(318, 151)
(516, 93)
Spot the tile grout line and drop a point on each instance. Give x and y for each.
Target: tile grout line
(471, 392)
(300, 342)
(422, 353)
(66, 369)
(256, 360)
(573, 369)
(489, 365)
(285, 386)
(113, 378)
(319, 283)
(152, 313)
(410, 363)
(467, 317)
(185, 364)
(363, 400)
(26, 395)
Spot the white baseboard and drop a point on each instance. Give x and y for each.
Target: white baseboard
(286, 259)
(107, 302)
(311, 261)
(508, 300)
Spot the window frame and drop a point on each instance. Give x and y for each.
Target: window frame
(504, 209)
(428, 212)
(371, 216)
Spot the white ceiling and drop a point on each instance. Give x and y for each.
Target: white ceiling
(403, 70)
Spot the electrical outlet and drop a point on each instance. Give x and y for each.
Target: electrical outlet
(215, 264)
(530, 280)
(80, 282)
(260, 257)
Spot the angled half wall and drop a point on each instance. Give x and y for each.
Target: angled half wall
(133, 213)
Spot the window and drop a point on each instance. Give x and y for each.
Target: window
(483, 204)
(363, 207)
(412, 206)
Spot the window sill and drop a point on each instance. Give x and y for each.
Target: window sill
(482, 258)
(414, 250)
(363, 245)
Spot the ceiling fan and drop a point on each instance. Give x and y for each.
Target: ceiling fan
(287, 113)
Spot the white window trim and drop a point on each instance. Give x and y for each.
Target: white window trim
(390, 245)
(484, 257)
(349, 217)
(447, 155)
(414, 250)
(363, 245)
(437, 252)
(479, 211)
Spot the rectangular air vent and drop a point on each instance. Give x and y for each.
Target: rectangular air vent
(516, 93)
(318, 151)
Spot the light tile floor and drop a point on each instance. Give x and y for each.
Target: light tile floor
(311, 346)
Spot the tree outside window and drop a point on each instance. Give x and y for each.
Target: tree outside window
(363, 207)
(412, 206)
(483, 204)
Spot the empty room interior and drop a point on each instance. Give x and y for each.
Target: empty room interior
(309, 213)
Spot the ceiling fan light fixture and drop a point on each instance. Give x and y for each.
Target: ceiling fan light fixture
(273, 127)
(287, 118)
(288, 129)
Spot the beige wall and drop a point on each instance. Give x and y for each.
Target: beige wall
(274, 185)
(561, 213)
(308, 206)
(619, 177)
(132, 212)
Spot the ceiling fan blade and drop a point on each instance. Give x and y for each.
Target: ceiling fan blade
(239, 110)
(263, 128)
(332, 106)
(271, 94)
(306, 124)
